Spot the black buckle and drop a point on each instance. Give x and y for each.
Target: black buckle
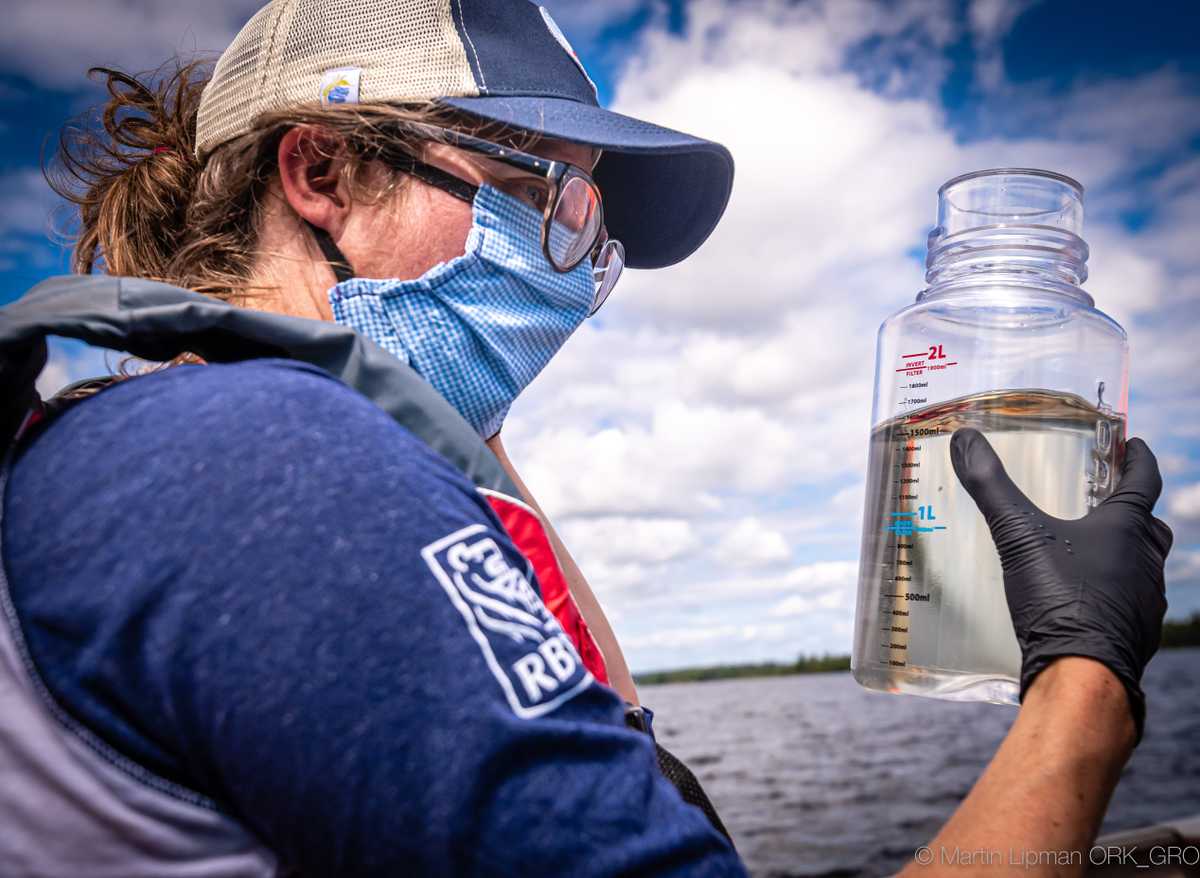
(635, 718)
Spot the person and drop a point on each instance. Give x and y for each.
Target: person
(285, 607)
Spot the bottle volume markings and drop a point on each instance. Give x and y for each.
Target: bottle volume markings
(917, 367)
(905, 523)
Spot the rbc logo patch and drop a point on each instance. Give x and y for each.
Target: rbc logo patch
(525, 648)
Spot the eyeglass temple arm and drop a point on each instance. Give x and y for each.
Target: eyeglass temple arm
(514, 157)
(460, 189)
(436, 177)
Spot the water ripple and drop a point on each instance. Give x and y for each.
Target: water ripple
(822, 778)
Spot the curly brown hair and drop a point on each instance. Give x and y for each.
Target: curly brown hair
(148, 207)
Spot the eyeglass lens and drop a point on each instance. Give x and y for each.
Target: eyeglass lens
(606, 270)
(575, 223)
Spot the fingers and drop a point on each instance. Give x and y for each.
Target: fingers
(1162, 535)
(982, 474)
(1140, 478)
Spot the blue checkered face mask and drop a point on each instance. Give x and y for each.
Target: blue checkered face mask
(480, 327)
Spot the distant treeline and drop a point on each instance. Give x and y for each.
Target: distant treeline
(1182, 633)
(1185, 632)
(802, 665)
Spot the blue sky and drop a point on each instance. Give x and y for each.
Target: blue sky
(706, 475)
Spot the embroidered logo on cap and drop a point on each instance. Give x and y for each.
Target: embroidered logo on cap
(340, 86)
(557, 33)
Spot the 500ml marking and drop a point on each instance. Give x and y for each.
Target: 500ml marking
(901, 595)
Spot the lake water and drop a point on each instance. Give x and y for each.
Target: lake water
(814, 775)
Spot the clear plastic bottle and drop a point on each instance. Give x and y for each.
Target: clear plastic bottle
(1003, 339)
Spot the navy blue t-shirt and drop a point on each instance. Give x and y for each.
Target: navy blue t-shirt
(241, 578)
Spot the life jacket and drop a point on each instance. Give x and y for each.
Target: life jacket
(159, 322)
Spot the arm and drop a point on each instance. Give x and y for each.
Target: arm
(328, 630)
(1048, 786)
(1087, 600)
(614, 659)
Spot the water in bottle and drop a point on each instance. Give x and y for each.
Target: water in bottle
(1003, 340)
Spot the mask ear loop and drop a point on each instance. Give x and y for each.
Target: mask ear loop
(332, 253)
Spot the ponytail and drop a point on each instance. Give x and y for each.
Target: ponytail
(133, 178)
(148, 208)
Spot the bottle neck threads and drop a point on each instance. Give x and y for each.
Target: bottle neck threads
(1014, 227)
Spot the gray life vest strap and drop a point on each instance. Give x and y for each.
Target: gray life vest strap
(157, 321)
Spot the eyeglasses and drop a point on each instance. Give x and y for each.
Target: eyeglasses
(573, 216)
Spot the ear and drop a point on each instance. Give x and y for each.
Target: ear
(312, 181)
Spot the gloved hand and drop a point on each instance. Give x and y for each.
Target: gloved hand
(1089, 587)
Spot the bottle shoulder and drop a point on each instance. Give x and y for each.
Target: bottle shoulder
(1003, 308)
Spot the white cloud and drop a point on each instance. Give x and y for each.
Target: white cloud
(703, 636)
(26, 202)
(813, 589)
(1170, 464)
(69, 361)
(823, 576)
(736, 386)
(750, 543)
(1185, 501)
(54, 43)
(1183, 568)
(55, 375)
(849, 500)
(811, 581)
(634, 541)
(701, 444)
(990, 21)
(812, 213)
(799, 604)
(582, 22)
(1158, 112)
(677, 462)
(1183, 581)
(1124, 281)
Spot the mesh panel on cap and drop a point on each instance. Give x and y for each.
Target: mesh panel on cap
(407, 50)
(230, 98)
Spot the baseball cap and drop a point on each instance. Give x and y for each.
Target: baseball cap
(502, 61)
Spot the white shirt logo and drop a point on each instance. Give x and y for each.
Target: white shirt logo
(525, 648)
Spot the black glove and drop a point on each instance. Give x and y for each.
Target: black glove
(1089, 587)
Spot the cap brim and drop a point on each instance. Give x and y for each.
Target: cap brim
(664, 191)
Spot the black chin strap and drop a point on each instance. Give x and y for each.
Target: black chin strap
(428, 174)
